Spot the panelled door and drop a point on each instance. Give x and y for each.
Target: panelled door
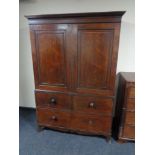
(75, 57)
(95, 57)
(51, 56)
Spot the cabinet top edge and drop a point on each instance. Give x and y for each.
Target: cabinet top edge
(128, 76)
(70, 15)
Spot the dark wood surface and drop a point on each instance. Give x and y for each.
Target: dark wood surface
(124, 120)
(74, 61)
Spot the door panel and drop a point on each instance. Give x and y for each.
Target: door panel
(50, 56)
(95, 66)
(94, 48)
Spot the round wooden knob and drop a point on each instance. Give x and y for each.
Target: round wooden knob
(54, 118)
(92, 104)
(90, 122)
(53, 100)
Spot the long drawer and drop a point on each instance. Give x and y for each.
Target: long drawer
(97, 124)
(91, 123)
(130, 118)
(131, 92)
(130, 104)
(53, 118)
(53, 100)
(129, 132)
(93, 105)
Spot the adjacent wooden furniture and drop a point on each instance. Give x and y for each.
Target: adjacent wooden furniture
(74, 60)
(124, 120)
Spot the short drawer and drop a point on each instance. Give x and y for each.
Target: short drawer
(91, 123)
(93, 105)
(52, 100)
(131, 92)
(130, 118)
(130, 104)
(53, 118)
(129, 132)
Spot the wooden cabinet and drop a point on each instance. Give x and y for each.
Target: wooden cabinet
(74, 60)
(124, 120)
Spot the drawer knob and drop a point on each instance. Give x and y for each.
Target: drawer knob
(54, 118)
(53, 100)
(92, 104)
(90, 122)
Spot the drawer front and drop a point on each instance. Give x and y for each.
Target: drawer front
(130, 105)
(52, 100)
(130, 118)
(129, 132)
(91, 123)
(93, 105)
(53, 118)
(131, 92)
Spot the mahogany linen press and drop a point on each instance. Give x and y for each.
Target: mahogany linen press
(74, 61)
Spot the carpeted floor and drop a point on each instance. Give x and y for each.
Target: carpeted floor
(50, 142)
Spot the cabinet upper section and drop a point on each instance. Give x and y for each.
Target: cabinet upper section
(99, 17)
(75, 52)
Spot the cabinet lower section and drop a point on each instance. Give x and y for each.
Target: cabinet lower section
(81, 114)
